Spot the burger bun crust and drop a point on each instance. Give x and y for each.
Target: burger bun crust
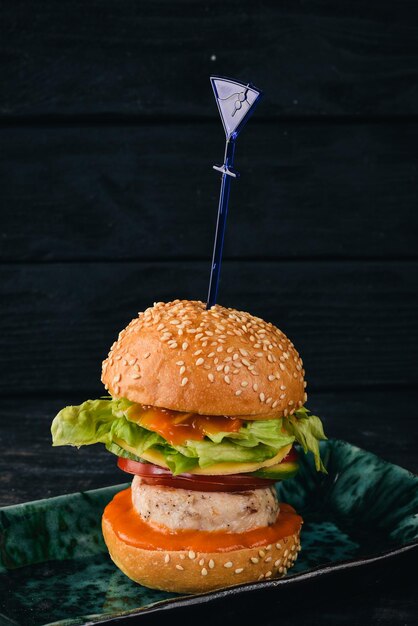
(186, 571)
(221, 361)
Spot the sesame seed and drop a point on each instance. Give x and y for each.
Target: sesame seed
(285, 553)
(210, 355)
(228, 564)
(254, 559)
(182, 557)
(226, 369)
(261, 553)
(202, 562)
(262, 397)
(204, 571)
(184, 381)
(282, 396)
(268, 559)
(238, 392)
(282, 367)
(246, 362)
(290, 402)
(285, 412)
(243, 352)
(219, 368)
(239, 570)
(180, 567)
(200, 361)
(136, 376)
(182, 369)
(211, 377)
(160, 326)
(192, 555)
(227, 380)
(173, 345)
(197, 352)
(219, 349)
(255, 387)
(117, 389)
(147, 354)
(184, 345)
(167, 558)
(281, 570)
(211, 563)
(117, 378)
(278, 546)
(269, 400)
(277, 563)
(271, 377)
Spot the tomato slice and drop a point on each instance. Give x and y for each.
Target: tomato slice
(155, 475)
(291, 456)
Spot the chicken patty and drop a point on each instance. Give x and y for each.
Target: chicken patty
(234, 512)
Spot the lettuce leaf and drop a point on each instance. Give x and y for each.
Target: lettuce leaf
(307, 429)
(106, 421)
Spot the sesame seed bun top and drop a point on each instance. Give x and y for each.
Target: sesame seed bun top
(179, 356)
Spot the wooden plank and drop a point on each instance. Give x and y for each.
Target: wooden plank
(154, 58)
(354, 324)
(307, 191)
(30, 468)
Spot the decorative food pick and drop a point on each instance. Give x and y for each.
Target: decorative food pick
(236, 103)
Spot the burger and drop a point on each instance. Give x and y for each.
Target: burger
(206, 411)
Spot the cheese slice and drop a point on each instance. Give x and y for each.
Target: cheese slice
(217, 469)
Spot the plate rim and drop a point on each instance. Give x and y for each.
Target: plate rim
(184, 601)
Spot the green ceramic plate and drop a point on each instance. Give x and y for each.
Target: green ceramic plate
(54, 568)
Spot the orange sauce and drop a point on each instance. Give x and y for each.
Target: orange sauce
(178, 427)
(133, 530)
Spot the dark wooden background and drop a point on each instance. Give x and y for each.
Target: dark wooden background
(109, 131)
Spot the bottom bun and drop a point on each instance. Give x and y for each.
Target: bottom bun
(189, 571)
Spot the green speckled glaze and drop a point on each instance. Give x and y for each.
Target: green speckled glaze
(54, 568)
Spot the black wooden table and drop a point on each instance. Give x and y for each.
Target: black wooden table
(108, 134)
